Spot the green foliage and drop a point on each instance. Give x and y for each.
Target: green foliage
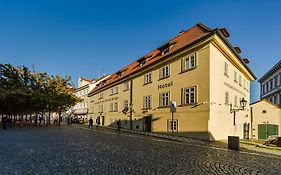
(25, 92)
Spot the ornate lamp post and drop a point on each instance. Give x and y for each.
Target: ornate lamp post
(243, 103)
(233, 141)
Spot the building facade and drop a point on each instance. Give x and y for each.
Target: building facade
(266, 119)
(270, 84)
(81, 109)
(199, 70)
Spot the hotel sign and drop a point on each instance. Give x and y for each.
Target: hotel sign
(234, 88)
(105, 100)
(162, 86)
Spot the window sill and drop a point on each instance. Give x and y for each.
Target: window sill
(125, 90)
(187, 70)
(147, 83)
(146, 109)
(162, 107)
(163, 78)
(189, 104)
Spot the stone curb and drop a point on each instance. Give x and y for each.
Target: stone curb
(261, 145)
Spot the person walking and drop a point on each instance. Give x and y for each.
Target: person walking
(91, 122)
(98, 121)
(118, 126)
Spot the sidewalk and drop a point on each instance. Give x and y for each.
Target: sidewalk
(245, 145)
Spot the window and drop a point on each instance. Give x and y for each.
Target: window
(164, 72)
(166, 50)
(164, 99)
(240, 80)
(271, 84)
(226, 101)
(113, 107)
(173, 125)
(126, 86)
(126, 104)
(100, 95)
(226, 69)
(147, 102)
(189, 62)
(100, 108)
(147, 78)
(235, 76)
(114, 90)
(244, 84)
(189, 95)
(276, 81)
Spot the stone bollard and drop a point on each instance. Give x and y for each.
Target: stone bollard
(233, 143)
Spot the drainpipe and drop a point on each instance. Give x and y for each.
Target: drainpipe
(131, 104)
(251, 114)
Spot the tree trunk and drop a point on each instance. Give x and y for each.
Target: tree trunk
(59, 117)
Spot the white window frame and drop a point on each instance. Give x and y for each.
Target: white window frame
(100, 95)
(225, 69)
(126, 104)
(189, 62)
(235, 76)
(148, 78)
(173, 123)
(189, 95)
(164, 99)
(100, 108)
(147, 102)
(126, 86)
(226, 98)
(164, 71)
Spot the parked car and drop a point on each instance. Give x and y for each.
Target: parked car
(273, 139)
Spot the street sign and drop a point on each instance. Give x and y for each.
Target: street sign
(173, 106)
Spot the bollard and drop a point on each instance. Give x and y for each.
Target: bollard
(233, 143)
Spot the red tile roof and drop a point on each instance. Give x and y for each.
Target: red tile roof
(185, 38)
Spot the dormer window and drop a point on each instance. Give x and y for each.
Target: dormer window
(142, 62)
(164, 51)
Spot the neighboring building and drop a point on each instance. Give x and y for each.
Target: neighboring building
(266, 119)
(198, 69)
(270, 84)
(81, 109)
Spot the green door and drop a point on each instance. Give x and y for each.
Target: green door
(265, 130)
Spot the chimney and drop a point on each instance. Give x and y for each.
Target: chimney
(181, 32)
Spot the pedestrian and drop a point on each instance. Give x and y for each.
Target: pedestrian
(118, 126)
(98, 121)
(91, 123)
(4, 122)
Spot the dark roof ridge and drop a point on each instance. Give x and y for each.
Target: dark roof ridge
(270, 70)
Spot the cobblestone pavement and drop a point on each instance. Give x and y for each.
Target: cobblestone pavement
(69, 150)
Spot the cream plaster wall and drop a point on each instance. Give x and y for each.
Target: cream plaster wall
(272, 115)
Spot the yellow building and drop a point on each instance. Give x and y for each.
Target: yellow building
(199, 70)
(266, 119)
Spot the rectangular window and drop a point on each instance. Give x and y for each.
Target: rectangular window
(271, 84)
(114, 90)
(226, 101)
(147, 78)
(172, 125)
(147, 102)
(235, 76)
(126, 104)
(189, 62)
(126, 86)
(100, 108)
(244, 84)
(100, 95)
(275, 81)
(164, 72)
(113, 107)
(189, 95)
(226, 69)
(240, 80)
(164, 99)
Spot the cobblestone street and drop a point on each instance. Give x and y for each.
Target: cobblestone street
(70, 150)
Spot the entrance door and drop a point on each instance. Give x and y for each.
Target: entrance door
(147, 123)
(246, 128)
(265, 130)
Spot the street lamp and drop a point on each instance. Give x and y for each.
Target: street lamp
(243, 103)
(233, 141)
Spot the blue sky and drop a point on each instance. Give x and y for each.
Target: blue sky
(89, 38)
